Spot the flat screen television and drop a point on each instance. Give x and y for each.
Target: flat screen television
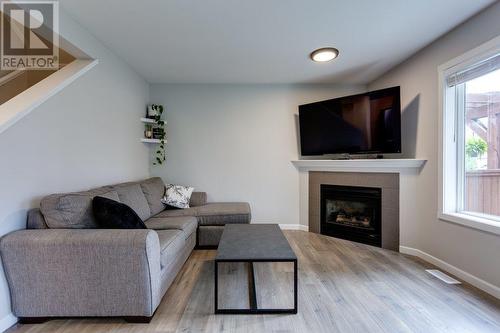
(368, 123)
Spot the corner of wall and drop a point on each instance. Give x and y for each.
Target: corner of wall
(7, 321)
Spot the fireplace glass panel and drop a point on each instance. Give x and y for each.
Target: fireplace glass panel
(349, 213)
(352, 213)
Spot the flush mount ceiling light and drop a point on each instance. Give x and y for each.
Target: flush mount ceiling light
(324, 54)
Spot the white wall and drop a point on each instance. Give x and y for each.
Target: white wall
(470, 250)
(236, 142)
(86, 135)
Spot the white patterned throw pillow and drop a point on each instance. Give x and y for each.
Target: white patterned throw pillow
(177, 195)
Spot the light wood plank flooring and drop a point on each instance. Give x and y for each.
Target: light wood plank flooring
(343, 287)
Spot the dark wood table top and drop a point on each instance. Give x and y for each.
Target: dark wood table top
(254, 242)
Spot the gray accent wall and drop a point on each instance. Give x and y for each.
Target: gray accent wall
(236, 142)
(84, 136)
(470, 250)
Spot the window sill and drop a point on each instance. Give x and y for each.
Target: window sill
(471, 221)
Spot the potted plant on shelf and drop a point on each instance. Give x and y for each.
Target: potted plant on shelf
(155, 112)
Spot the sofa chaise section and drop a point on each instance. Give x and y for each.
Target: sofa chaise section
(211, 217)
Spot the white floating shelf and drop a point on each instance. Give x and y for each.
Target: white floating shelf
(152, 140)
(148, 120)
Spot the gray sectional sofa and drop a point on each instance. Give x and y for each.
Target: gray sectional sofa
(63, 266)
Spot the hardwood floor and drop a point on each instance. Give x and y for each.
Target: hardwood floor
(343, 287)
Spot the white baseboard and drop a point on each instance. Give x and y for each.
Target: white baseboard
(467, 277)
(7, 322)
(294, 227)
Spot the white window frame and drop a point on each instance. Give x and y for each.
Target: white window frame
(450, 187)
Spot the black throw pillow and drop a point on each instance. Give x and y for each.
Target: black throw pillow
(111, 214)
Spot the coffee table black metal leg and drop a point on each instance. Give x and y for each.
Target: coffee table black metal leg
(252, 295)
(295, 286)
(216, 285)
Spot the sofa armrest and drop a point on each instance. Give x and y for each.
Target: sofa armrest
(84, 272)
(198, 199)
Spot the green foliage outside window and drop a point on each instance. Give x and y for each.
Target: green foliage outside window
(474, 149)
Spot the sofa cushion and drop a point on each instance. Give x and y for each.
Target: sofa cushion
(111, 214)
(187, 224)
(154, 190)
(131, 195)
(210, 235)
(171, 244)
(223, 213)
(178, 212)
(35, 220)
(198, 199)
(73, 210)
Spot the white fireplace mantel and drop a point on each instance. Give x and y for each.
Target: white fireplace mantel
(360, 165)
(408, 170)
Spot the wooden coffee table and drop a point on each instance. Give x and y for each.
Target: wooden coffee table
(254, 243)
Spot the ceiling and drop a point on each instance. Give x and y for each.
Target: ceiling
(267, 41)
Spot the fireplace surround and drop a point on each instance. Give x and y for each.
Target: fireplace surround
(396, 177)
(387, 184)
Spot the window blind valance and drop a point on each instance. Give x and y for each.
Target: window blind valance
(484, 67)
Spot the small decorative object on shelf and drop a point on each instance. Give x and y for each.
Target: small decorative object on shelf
(155, 112)
(148, 132)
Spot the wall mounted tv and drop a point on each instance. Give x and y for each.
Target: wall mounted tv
(368, 123)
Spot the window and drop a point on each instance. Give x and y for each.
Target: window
(470, 155)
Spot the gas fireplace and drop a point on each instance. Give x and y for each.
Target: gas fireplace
(352, 213)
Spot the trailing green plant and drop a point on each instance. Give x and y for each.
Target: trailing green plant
(160, 124)
(475, 147)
